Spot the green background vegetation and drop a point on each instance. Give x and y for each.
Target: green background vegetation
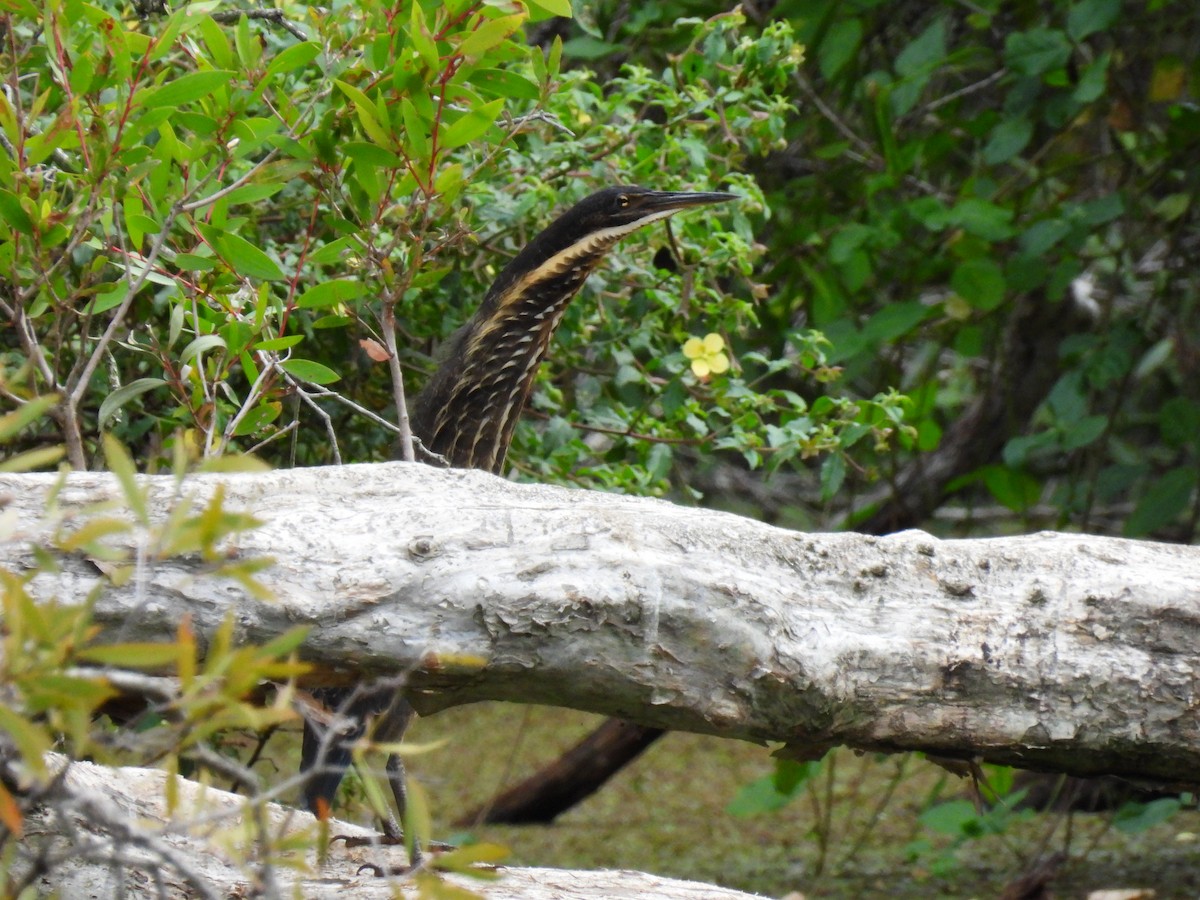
(957, 291)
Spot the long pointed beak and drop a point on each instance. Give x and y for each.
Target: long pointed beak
(661, 201)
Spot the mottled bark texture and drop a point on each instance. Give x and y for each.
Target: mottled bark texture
(1065, 652)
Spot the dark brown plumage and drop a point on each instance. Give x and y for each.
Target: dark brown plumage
(468, 410)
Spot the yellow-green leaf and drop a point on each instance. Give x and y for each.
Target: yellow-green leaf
(134, 655)
(464, 858)
(472, 125)
(293, 58)
(32, 742)
(121, 465)
(285, 643)
(13, 422)
(551, 7)
(366, 114)
(489, 34)
(422, 40)
(93, 530)
(33, 459)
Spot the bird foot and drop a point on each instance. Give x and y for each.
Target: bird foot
(388, 840)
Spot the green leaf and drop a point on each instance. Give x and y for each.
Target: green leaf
(926, 50)
(121, 465)
(916, 64)
(1083, 432)
(190, 262)
(1103, 209)
(954, 818)
(185, 89)
(330, 293)
(839, 46)
(502, 83)
(1039, 237)
(259, 417)
(1093, 83)
(1008, 138)
(31, 741)
(1163, 502)
(14, 214)
(308, 370)
(200, 345)
(982, 219)
(372, 155)
(243, 257)
(1013, 488)
(758, 797)
(1036, 51)
(1090, 16)
(472, 125)
(217, 42)
(124, 394)
(106, 300)
(422, 41)
(980, 282)
(11, 423)
(333, 252)
(252, 193)
(293, 57)
(1178, 421)
(490, 34)
(284, 644)
(366, 114)
(132, 655)
(773, 791)
(33, 459)
(1133, 818)
(416, 138)
(895, 320)
(833, 473)
(280, 343)
(587, 47)
(552, 7)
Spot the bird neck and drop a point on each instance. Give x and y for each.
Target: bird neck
(469, 409)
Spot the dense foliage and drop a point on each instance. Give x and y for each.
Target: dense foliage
(230, 233)
(956, 292)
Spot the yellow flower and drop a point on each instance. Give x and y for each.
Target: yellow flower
(707, 355)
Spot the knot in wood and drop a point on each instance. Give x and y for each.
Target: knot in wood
(423, 548)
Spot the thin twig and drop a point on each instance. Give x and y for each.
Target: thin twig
(256, 390)
(287, 429)
(311, 404)
(389, 340)
(326, 394)
(274, 16)
(232, 186)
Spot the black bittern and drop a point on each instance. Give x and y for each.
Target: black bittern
(467, 413)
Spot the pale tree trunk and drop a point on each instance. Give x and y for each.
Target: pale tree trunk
(1067, 652)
